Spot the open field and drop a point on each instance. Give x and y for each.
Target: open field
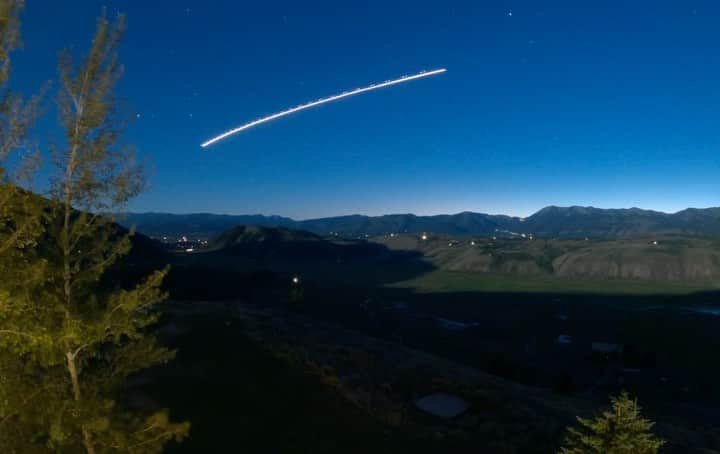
(444, 281)
(658, 258)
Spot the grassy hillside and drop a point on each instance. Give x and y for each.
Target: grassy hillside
(665, 262)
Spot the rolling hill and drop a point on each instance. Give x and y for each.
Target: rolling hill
(281, 242)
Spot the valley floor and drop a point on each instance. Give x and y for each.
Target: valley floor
(467, 281)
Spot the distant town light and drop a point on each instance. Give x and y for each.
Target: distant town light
(295, 280)
(472, 243)
(189, 249)
(424, 237)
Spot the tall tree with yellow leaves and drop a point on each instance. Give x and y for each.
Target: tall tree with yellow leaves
(20, 229)
(19, 216)
(77, 335)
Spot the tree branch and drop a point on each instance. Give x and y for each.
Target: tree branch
(17, 333)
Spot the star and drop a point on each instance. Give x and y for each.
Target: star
(137, 115)
(509, 13)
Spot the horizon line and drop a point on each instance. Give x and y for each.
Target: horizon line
(414, 214)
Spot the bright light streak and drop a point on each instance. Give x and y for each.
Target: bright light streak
(322, 101)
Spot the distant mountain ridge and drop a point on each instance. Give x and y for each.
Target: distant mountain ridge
(551, 221)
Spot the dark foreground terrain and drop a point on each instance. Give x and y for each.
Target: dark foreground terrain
(259, 379)
(242, 398)
(290, 343)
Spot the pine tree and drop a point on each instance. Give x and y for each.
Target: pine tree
(620, 430)
(71, 338)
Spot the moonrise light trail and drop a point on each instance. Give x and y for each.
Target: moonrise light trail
(321, 101)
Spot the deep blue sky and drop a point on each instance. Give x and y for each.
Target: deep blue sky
(575, 102)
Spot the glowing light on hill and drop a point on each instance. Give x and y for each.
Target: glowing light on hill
(321, 101)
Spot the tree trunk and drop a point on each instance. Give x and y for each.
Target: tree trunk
(72, 369)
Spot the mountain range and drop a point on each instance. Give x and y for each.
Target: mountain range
(551, 221)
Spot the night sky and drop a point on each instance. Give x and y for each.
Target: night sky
(566, 103)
